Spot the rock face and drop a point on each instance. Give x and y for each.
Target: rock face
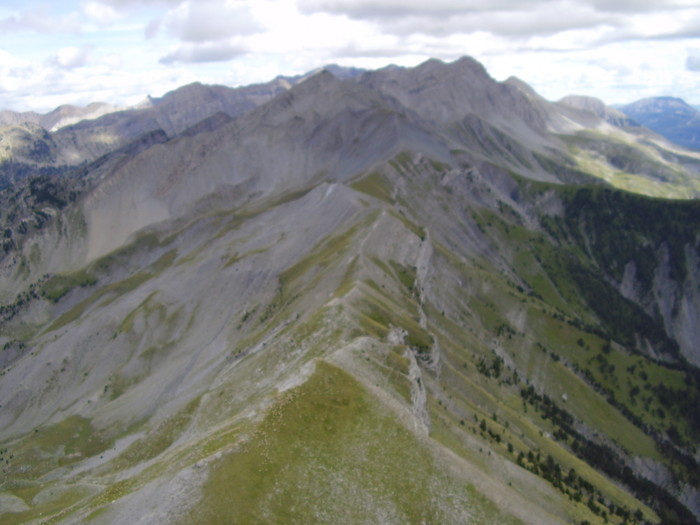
(447, 93)
(399, 296)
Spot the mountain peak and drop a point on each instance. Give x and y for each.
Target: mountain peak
(584, 102)
(318, 83)
(448, 92)
(343, 72)
(465, 65)
(657, 104)
(322, 77)
(671, 117)
(598, 108)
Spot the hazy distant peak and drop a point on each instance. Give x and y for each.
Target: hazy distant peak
(658, 104)
(671, 117)
(59, 117)
(586, 103)
(343, 72)
(67, 115)
(666, 99)
(598, 108)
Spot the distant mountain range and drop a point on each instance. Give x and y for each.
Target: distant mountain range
(70, 136)
(668, 116)
(59, 117)
(407, 295)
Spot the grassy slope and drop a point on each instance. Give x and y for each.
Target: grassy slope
(329, 450)
(328, 453)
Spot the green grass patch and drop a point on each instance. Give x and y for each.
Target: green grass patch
(58, 286)
(52, 446)
(159, 439)
(412, 226)
(51, 511)
(114, 290)
(328, 453)
(325, 252)
(375, 185)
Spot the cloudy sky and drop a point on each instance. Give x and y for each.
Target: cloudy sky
(119, 51)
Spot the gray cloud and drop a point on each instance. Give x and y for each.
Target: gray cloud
(692, 62)
(636, 6)
(209, 20)
(128, 4)
(152, 28)
(199, 53)
(369, 9)
(507, 18)
(353, 50)
(375, 9)
(503, 23)
(444, 17)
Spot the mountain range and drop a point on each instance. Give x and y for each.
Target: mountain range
(408, 295)
(669, 116)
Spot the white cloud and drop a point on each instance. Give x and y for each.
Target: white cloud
(44, 88)
(41, 19)
(8, 61)
(542, 21)
(210, 20)
(71, 57)
(207, 52)
(517, 19)
(619, 72)
(101, 13)
(125, 5)
(400, 8)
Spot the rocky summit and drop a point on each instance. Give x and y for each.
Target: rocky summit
(409, 295)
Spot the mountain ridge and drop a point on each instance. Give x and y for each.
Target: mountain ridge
(339, 306)
(61, 116)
